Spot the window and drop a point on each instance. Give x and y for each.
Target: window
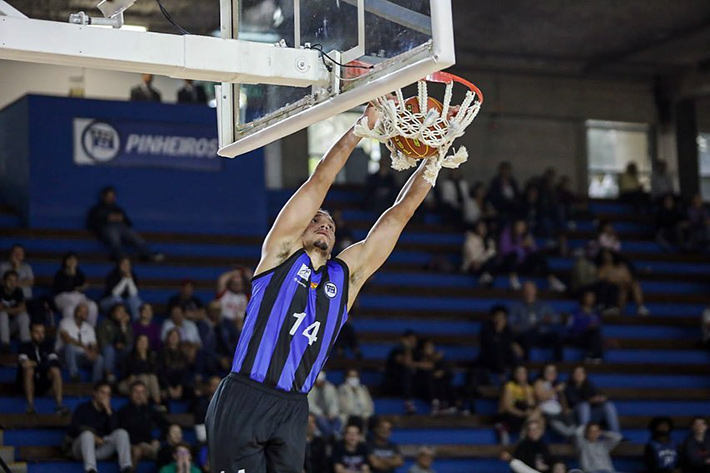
(610, 147)
(704, 164)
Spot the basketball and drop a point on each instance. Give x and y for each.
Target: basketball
(413, 147)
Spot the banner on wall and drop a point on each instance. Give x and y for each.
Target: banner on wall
(129, 143)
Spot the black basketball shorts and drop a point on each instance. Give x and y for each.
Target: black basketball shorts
(252, 428)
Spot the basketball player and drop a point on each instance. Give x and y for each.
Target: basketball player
(257, 419)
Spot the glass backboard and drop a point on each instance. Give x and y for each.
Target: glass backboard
(382, 45)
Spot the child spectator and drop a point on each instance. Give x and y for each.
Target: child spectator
(140, 420)
(695, 450)
(384, 455)
(76, 343)
(660, 454)
(534, 323)
(594, 447)
(187, 300)
(519, 255)
(69, 286)
(38, 370)
(350, 454)
(16, 262)
(436, 376)
(585, 328)
(145, 326)
(121, 287)
(142, 365)
(323, 402)
(588, 403)
(13, 311)
(532, 450)
(400, 370)
(479, 253)
(182, 461)
(424, 460)
(616, 272)
(175, 372)
(517, 404)
(115, 338)
(549, 396)
(356, 405)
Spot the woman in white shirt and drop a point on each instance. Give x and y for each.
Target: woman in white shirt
(356, 404)
(479, 253)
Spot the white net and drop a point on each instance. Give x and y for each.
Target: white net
(427, 125)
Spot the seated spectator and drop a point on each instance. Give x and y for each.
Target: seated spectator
(630, 188)
(671, 225)
(350, 454)
(96, 433)
(182, 461)
(190, 341)
(453, 196)
(175, 373)
(705, 327)
(477, 207)
(192, 93)
(384, 456)
(115, 338)
(535, 324)
(13, 312)
(479, 254)
(519, 255)
(233, 300)
(347, 340)
(588, 404)
(617, 273)
(324, 403)
(140, 420)
(549, 396)
(423, 461)
(517, 404)
(400, 370)
(585, 277)
(145, 92)
(661, 181)
(145, 326)
(699, 223)
(356, 405)
(16, 262)
(173, 438)
(69, 287)
(142, 365)
(39, 370)
(660, 454)
(219, 340)
(695, 449)
(188, 301)
(112, 226)
(436, 375)
(200, 406)
(76, 344)
(316, 459)
(503, 193)
(532, 450)
(585, 328)
(498, 350)
(594, 447)
(121, 288)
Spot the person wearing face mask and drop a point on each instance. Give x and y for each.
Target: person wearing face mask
(660, 454)
(356, 406)
(324, 403)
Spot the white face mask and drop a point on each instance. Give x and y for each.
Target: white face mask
(353, 382)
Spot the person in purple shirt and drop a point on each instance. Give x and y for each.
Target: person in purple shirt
(145, 326)
(584, 327)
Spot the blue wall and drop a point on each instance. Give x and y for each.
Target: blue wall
(38, 174)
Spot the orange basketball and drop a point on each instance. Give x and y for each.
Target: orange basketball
(413, 147)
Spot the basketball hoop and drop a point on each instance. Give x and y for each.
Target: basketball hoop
(426, 125)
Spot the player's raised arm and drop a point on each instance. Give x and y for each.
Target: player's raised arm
(365, 257)
(284, 237)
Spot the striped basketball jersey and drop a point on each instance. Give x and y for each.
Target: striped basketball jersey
(292, 320)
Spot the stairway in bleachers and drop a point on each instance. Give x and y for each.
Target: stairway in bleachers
(655, 366)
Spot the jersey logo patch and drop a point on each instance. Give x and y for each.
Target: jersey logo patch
(304, 272)
(331, 290)
(314, 285)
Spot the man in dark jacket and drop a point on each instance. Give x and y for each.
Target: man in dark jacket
(191, 93)
(39, 369)
(145, 92)
(695, 450)
(660, 454)
(113, 227)
(96, 433)
(115, 337)
(140, 420)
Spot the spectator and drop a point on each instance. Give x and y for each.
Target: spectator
(660, 454)
(39, 370)
(499, 352)
(323, 402)
(145, 92)
(142, 365)
(585, 328)
(173, 438)
(551, 215)
(175, 372)
(566, 199)
(535, 324)
(705, 327)
(121, 287)
(316, 460)
(145, 326)
(532, 450)
(400, 370)
(519, 255)
(384, 456)
(356, 405)
(233, 300)
(661, 181)
(187, 300)
(699, 221)
(479, 254)
(594, 447)
(424, 460)
(630, 188)
(189, 334)
(549, 396)
(585, 277)
(608, 238)
(348, 340)
(454, 196)
(69, 287)
(517, 404)
(588, 404)
(530, 210)
(671, 225)
(617, 273)
(695, 449)
(192, 93)
(140, 420)
(437, 378)
(112, 226)
(115, 338)
(201, 405)
(350, 454)
(182, 461)
(16, 262)
(219, 340)
(96, 433)
(76, 343)
(503, 191)
(13, 311)
(477, 207)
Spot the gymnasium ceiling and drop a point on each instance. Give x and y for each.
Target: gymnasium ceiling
(634, 38)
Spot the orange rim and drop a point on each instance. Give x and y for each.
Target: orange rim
(447, 78)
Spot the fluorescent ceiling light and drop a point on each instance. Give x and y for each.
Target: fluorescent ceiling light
(142, 29)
